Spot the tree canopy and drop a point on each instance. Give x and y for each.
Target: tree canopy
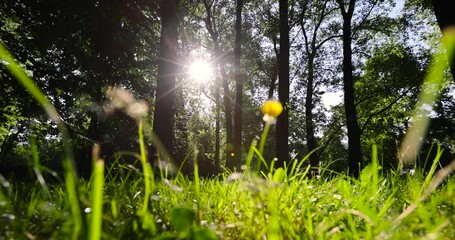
(374, 54)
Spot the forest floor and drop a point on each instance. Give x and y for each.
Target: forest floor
(249, 205)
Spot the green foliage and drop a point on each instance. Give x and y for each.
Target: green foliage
(184, 222)
(74, 52)
(387, 90)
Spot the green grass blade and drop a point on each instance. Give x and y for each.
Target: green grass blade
(250, 155)
(430, 173)
(149, 184)
(37, 167)
(148, 174)
(264, 137)
(197, 180)
(433, 84)
(95, 228)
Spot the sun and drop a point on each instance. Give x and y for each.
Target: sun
(200, 71)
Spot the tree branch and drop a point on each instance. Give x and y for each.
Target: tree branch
(381, 111)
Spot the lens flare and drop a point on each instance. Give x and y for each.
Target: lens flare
(200, 71)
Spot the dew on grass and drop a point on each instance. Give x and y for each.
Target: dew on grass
(237, 213)
(88, 210)
(337, 196)
(156, 198)
(234, 176)
(47, 206)
(8, 217)
(118, 223)
(232, 225)
(172, 186)
(6, 184)
(136, 194)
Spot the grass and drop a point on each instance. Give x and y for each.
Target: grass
(239, 206)
(269, 204)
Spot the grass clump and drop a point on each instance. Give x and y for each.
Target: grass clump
(240, 206)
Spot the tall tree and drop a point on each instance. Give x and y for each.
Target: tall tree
(282, 126)
(354, 146)
(235, 162)
(314, 15)
(213, 27)
(164, 115)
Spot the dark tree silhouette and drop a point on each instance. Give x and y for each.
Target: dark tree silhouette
(282, 126)
(239, 78)
(164, 116)
(354, 147)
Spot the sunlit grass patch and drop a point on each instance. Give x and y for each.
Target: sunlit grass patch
(245, 208)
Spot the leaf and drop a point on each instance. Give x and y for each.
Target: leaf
(166, 237)
(182, 219)
(205, 234)
(279, 175)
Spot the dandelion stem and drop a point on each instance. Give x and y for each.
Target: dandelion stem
(262, 142)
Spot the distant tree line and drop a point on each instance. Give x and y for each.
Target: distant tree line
(373, 53)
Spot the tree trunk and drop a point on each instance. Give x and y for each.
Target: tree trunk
(217, 124)
(282, 126)
(164, 116)
(446, 18)
(211, 27)
(181, 126)
(272, 85)
(227, 112)
(223, 83)
(311, 139)
(311, 48)
(238, 114)
(274, 74)
(354, 147)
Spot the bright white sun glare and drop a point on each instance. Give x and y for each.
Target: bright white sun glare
(200, 71)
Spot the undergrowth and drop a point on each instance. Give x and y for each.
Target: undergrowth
(237, 206)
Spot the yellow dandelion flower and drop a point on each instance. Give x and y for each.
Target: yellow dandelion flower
(272, 108)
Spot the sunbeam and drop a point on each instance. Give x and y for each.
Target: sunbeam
(200, 71)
